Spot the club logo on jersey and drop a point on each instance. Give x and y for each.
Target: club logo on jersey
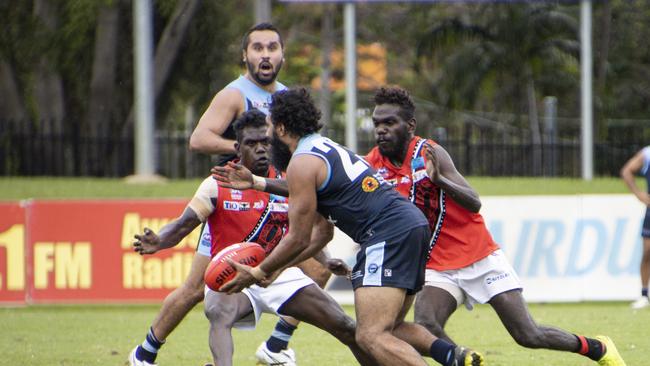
(259, 205)
(260, 105)
(369, 184)
(236, 206)
(235, 194)
(206, 238)
(417, 163)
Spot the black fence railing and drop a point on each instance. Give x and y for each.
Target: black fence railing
(28, 149)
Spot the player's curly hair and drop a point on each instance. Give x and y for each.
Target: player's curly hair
(252, 118)
(259, 27)
(296, 111)
(397, 96)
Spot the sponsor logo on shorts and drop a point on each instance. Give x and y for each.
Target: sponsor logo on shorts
(388, 272)
(356, 275)
(236, 206)
(372, 268)
(369, 184)
(492, 279)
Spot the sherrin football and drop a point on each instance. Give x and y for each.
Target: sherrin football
(220, 272)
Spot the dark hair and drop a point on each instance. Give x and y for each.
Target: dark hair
(398, 96)
(252, 118)
(295, 110)
(259, 27)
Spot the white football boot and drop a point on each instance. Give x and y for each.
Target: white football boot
(286, 357)
(133, 361)
(640, 303)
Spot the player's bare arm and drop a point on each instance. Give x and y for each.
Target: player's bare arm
(628, 171)
(170, 235)
(207, 136)
(443, 173)
(237, 176)
(302, 176)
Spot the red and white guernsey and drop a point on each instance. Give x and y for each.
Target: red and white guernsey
(459, 236)
(235, 216)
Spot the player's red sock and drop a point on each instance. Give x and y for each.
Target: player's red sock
(589, 347)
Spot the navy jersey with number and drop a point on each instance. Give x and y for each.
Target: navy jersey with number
(357, 199)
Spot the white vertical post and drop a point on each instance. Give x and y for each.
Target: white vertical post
(350, 77)
(587, 139)
(262, 11)
(144, 102)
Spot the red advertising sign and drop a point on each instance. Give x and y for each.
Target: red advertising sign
(80, 251)
(12, 253)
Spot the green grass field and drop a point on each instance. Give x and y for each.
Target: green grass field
(104, 335)
(60, 188)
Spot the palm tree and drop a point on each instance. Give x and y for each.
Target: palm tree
(496, 54)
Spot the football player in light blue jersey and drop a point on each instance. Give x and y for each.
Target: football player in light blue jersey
(327, 181)
(263, 55)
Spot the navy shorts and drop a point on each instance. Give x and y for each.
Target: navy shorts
(398, 261)
(645, 231)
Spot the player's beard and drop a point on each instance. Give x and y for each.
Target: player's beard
(280, 153)
(259, 78)
(397, 147)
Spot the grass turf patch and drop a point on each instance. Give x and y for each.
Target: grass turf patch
(104, 335)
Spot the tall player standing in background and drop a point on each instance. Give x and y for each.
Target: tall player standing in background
(640, 164)
(465, 264)
(263, 54)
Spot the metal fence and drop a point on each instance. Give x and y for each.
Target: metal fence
(478, 148)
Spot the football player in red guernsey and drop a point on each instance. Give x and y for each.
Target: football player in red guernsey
(465, 265)
(239, 216)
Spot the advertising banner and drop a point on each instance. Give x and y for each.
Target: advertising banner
(12, 253)
(80, 251)
(564, 248)
(570, 248)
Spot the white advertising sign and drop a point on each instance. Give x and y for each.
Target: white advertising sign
(564, 248)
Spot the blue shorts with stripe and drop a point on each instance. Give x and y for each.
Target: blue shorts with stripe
(396, 261)
(645, 230)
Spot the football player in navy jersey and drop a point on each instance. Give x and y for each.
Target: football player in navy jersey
(326, 178)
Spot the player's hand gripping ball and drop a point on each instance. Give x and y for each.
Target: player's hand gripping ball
(220, 272)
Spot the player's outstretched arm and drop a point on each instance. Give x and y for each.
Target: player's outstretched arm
(237, 176)
(207, 136)
(443, 173)
(171, 234)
